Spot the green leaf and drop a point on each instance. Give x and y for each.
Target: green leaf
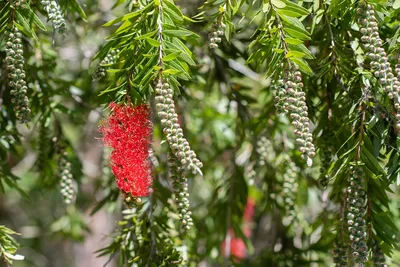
(293, 10)
(396, 4)
(278, 50)
(394, 38)
(118, 3)
(78, 9)
(23, 25)
(303, 65)
(179, 33)
(171, 71)
(177, 46)
(126, 26)
(128, 16)
(147, 35)
(171, 56)
(289, 13)
(294, 23)
(111, 89)
(173, 10)
(278, 3)
(153, 42)
(368, 157)
(290, 6)
(293, 41)
(297, 34)
(316, 5)
(266, 7)
(189, 19)
(293, 53)
(301, 48)
(31, 17)
(123, 18)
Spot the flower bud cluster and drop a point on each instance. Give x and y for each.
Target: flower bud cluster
(378, 258)
(217, 31)
(16, 75)
(291, 99)
(55, 15)
(290, 190)
(340, 254)
(356, 202)
(180, 186)
(265, 151)
(110, 59)
(67, 182)
(17, 3)
(169, 119)
(380, 65)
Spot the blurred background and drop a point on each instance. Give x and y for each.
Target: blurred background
(255, 186)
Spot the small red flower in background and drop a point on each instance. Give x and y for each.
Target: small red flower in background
(249, 210)
(128, 132)
(237, 247)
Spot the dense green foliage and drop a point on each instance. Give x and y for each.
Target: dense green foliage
(291, 107)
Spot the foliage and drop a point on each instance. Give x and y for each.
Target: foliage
(8, 246)
(291, 106)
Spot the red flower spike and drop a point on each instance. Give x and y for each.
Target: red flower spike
(128, 132)
(237, 247)
(249, 210)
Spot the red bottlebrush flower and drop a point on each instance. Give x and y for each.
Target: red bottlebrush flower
(237, 247)
(249, 210)
(128, 132)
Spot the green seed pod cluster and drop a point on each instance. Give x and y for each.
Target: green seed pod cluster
(169, 120)
(280, 97)
(217, 31)
(55, 15)
(397, 70)
(16, 76)
(292, 100)
(378, 258)
(290, 186)
(110, 59)
(17, 3)
(265, 151)
(180, 186)
(340, 254)
(380, 65)
(357, 228)
(67, 182)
